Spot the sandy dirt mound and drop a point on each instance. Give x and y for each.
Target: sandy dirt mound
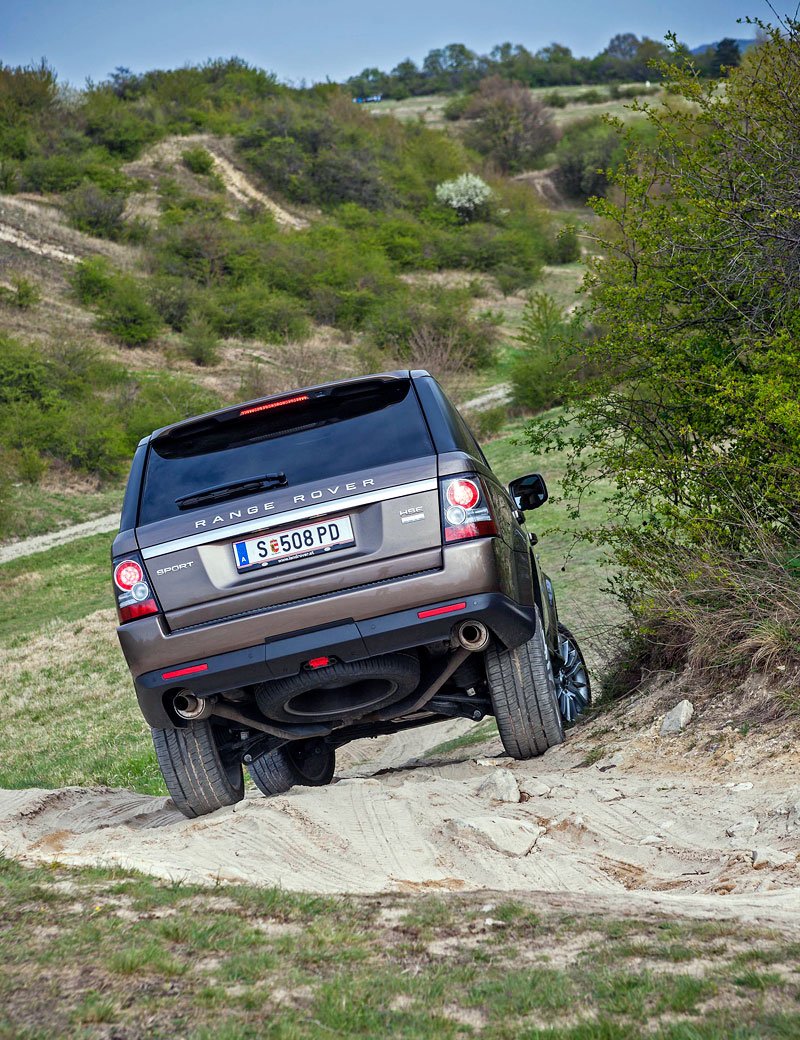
(644, 822)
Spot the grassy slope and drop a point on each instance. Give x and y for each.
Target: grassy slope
(124, 956)
(48, 507)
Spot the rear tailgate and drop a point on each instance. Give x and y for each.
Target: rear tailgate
(359, 502)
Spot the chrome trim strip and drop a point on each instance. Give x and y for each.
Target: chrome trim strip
(265, 523)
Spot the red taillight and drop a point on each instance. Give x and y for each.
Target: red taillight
(435, 611)
(274, 404)
(135, 598)
(190, 670)
(318, 662)
(465, 510)
(127, 574)
(463, 493)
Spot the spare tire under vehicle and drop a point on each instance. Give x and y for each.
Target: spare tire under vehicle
(343, 691)
(523, 693)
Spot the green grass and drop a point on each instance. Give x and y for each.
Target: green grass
(39, 509)
(62, 584)
(91, 953)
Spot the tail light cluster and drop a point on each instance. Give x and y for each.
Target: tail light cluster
(135, 598)
(465, 509)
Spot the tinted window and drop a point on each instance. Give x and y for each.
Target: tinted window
(328, 433)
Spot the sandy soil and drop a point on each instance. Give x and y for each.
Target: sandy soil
(667, 822)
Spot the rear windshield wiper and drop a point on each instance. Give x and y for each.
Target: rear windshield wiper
(237, 487)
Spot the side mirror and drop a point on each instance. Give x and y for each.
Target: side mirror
(528, 492)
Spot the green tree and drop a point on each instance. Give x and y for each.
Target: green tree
(695, 415)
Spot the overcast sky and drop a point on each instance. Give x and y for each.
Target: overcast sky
(315, 39)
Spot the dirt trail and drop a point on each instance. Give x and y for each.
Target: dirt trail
(167, 154)
(29, 546)
(651, 824)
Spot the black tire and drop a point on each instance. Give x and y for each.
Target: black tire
(523, 693)
(341, 691)
(196, 776)
(303, 763)
(573, 687)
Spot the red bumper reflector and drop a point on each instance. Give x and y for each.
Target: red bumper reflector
(137, 610)
(274, 404)
(442, 610)
(185, 671)
(479, 529)
(319, 662)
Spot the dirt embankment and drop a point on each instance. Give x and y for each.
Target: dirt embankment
(704, 822)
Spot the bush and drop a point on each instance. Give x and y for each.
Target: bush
(456, 106)
(200, 342)
(565, 248)
(555, 100)
(127, 314)
(198, 160)
(253, 312)
(92, 280)
(23, 293)
(539, 369)
(583, 157)
(96, 212)
(489, 422)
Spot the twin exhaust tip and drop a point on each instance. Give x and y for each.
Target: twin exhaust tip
(471, 635)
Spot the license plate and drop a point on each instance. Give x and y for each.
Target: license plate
(295, 543)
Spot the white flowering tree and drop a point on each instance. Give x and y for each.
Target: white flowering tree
(467, 195)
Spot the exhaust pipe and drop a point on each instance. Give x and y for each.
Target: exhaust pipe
(472, 635)
(191, 708)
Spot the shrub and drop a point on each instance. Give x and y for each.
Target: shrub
(456, 106)
(127, 314)
(173, 299)
(489, 422)
(468, 195)
(198, 160)
(23, 293)
(565, 248)
(584, 154)
(200, 341)
(96, 212)
(539, 368)
(253, 312)
(92, 280)
(555, 100)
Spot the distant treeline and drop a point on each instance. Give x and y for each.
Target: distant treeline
(456, 68)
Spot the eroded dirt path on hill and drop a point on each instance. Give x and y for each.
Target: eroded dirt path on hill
(653, 822)
(29, 546)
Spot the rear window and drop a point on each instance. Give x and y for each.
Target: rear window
(304, 438)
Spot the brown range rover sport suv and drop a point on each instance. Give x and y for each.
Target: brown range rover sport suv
(333, 563)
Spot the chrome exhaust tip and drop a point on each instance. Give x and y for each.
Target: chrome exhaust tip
(187, 706)
(472, 635)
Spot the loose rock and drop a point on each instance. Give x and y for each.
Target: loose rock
(744, 828)
(677, 718)
(765, 857)
(514, 837)
(501, 786)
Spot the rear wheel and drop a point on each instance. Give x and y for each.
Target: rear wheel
(199, 777)
(523, 693)
(303, 763)
(572, 677)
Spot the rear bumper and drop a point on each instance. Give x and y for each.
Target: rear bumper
(511, 623)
